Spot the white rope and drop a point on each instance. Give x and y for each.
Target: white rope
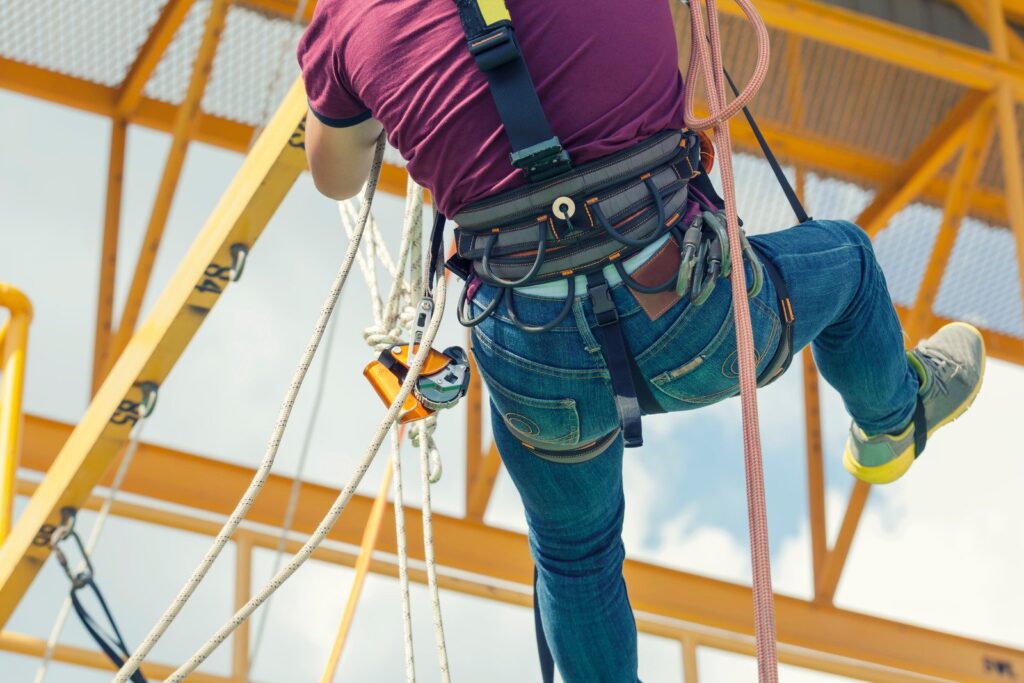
(403, 561)
(94, 536)
(427, 476)
(339, 504)
(293, 495)
(263, 471)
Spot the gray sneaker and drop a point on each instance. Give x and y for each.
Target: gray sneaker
(950, 364)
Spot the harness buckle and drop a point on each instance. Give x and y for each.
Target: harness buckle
(495, 48)
(543, 160)
(604, 306)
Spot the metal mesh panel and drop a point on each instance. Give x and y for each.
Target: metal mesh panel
(169, 80)
(254, 67)
(92, 39)
(981, 282)
(904, 247)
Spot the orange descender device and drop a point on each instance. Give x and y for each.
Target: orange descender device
(443, 380)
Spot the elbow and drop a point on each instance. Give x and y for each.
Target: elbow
(336, 188)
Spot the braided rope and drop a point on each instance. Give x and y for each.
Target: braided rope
(263, 471)
(337, 507)
(710, 66)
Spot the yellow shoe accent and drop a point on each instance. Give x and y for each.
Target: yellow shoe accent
(898, 466)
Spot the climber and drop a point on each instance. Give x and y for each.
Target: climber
(591, 239)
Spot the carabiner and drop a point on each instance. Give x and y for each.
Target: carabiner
(687, 254)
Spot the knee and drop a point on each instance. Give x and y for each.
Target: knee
(852, 234)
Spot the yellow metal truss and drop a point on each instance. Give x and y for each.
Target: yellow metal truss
(700, 612)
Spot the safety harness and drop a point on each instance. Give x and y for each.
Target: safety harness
(570, 221)
(574, 221)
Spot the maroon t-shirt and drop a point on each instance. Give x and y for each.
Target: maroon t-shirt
(606, 72)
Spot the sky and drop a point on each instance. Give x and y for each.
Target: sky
(940, 548)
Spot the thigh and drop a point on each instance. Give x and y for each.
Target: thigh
(824, 264)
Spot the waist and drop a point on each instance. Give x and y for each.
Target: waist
(559, 289)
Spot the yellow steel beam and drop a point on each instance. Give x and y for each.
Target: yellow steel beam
(925, 162)
(362, 566)
(13, 349)
(184, 123)
(815, 464)
(261, 183)
(108, 250)
(482, 588)
(966, 177)
(474, 420)
(465, 546)
(483, 484)
(1009, 135)
(35, 647)
(690, 673)
(835, 559)
(799, 147)
(889, 42)
(160, 36)
(243, 591)
(983, 18)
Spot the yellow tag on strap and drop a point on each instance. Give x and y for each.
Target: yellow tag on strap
(493, 11)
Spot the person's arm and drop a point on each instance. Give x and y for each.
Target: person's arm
(340, 158)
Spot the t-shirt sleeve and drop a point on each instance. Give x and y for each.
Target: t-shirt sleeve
(330, 98)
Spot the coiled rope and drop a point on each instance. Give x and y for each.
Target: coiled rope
(708, 63)
(263, 471)
(382, 335)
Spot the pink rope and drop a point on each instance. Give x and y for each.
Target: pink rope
(710, 67)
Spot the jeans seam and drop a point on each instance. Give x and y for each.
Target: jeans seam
(533, 366)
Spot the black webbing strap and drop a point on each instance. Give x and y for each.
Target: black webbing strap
(436, 258)
(112, 644)
(547, 661)
(616, 357)
(920, 428)
(787, 188)
(492, 42)
(784, 351)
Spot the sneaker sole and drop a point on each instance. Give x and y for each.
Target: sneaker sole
(898, 466)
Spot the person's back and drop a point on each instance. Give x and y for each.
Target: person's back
(607, 75)
(632, 318)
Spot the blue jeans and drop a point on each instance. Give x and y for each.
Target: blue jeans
(552, 390)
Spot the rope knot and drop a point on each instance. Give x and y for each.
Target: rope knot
(422, 436)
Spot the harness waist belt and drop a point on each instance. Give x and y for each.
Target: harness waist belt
(602, 212)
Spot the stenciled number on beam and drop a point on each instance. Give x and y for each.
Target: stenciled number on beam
(213, 274)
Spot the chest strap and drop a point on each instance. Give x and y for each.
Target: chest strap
(492, 42)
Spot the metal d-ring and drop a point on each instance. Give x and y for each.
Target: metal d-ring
(550, 324)
(485, 264)
(659, 232)
(460, 311)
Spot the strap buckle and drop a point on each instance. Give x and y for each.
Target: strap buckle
(604, 306)
(495, 48)
(543, 160)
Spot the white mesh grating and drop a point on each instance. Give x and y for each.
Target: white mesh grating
(171, 76)
(981, 282)
(92, 39)
(254, 67)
